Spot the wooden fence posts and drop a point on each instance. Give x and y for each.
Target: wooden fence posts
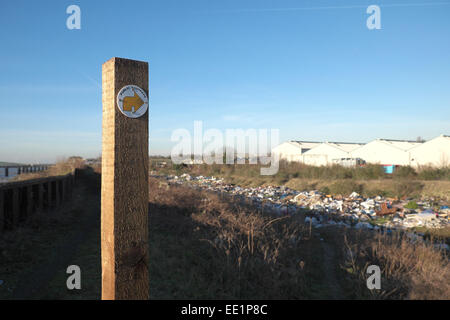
(18, 200)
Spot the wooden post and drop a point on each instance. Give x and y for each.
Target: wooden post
(124, 217)
(40, 197)
(69, 187)
(49, 195)
(63, 189)
(15, 207)
(2, 210)
(57, 194)
(6, 171)
(29, 197)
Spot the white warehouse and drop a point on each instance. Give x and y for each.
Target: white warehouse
(386, 151)
(435, 152)
(293, 150)
(328, 153)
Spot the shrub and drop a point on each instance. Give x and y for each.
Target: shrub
(404, 172)
(430, 173)
(411, 205)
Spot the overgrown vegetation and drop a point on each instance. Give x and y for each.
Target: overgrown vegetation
(409, 270)
(411, 205)
(370, 180)
(236, 252)
(290, 170)
(205, 246)
(220, 249)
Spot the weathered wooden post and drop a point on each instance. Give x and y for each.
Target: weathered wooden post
(15, 207)
(6, 171)
(40, 197)
(49, 195)
(63, 189)
(57, 194)
(124, 217)
(69, 187)
(29, 200)
(2, 210)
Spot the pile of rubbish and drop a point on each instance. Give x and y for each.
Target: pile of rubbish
(325, 210)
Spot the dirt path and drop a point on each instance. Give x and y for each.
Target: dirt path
(330, 265)
(86, 201)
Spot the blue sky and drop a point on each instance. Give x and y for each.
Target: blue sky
(309, 68)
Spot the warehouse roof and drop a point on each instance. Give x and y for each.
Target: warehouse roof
(346, 146)
(305, 144)
(401, 144)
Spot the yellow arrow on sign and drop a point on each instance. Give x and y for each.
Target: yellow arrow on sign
(129, 102)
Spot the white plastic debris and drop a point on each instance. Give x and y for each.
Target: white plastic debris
(342, 211)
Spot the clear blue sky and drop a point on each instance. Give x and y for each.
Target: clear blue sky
(309, 68)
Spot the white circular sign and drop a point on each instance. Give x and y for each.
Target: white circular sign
(132, 101)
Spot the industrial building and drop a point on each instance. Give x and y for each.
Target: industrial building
(328, 153)
(293, 150)
(435, 152)
(388, 152)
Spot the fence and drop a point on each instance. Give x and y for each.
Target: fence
(24, 169)
(18, 200)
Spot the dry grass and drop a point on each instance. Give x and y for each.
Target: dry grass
(239, 252)
(256, 256)
(409, 269)
(40, 246)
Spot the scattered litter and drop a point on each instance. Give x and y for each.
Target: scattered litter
(375, 213)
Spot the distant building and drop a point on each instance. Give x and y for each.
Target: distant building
(328, 153)
(386, 151)
(435, 152)
(293, 150)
